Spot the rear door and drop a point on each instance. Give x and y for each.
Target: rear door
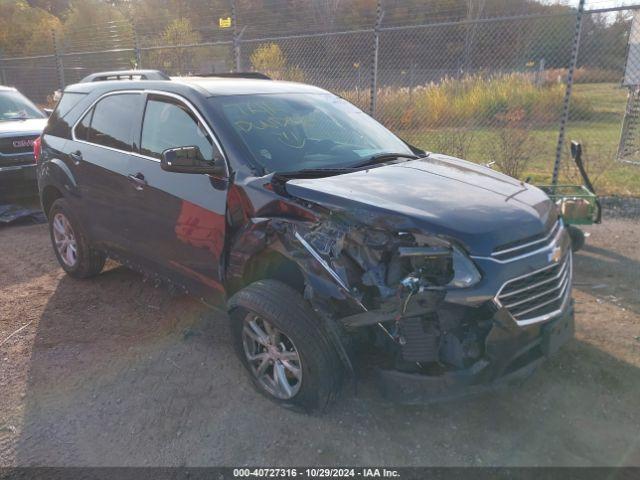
(100, 153)
(180, 223)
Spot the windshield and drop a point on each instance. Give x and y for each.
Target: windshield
(291, 132)
(14, 106)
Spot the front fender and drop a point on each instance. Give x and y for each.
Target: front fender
(262, 236)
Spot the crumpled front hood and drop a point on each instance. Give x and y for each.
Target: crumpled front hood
(33, 126)
(440, 195)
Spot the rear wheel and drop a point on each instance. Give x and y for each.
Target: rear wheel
(70, 244)
(281, 343)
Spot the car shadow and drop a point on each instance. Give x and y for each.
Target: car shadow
(122, 373)
(605, 273)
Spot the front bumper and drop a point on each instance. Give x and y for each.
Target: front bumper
(18, 180)
(512, 353)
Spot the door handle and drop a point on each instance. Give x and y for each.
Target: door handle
(138, 181)
(76, 157)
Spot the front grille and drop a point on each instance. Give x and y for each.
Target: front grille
(16, 145)
(538, 295)
(20, 162)
(523, 247)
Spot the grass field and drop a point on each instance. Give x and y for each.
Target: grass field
(599, 135)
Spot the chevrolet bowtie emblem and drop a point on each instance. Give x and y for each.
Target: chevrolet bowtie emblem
(555, 255)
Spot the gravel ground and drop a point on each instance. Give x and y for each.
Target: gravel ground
(112, 371)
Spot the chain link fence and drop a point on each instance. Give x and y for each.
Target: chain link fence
(511, 89)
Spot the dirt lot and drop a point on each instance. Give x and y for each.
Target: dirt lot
(112, 371)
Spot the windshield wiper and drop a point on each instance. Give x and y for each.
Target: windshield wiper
(384, 157)
(379, 158)
(315, 172)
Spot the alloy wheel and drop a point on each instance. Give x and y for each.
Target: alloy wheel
(65, 240)
(273, 359)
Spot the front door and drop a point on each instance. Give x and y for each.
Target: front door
(181, 216)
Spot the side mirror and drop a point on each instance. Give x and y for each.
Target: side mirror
(190, 160)
(47, 111)
(576, 150)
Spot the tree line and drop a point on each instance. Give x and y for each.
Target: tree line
(459, 40)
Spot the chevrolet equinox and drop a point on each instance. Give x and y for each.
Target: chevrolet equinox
(336, 247)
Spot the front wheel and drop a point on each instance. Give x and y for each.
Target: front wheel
(281, 343)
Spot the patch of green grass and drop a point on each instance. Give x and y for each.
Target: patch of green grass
(599, 135)
(604, 97)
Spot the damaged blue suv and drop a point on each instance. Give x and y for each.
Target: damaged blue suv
(338, 249)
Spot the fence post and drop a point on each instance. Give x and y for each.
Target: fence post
(57, 52)
(236, 37)
(567, 94)
(3, 75)
(374, 64)
(136, 44)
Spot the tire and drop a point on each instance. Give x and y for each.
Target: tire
(300, 331)
(577, 238)
(86, 262)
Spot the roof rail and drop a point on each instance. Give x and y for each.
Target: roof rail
(126, 75)
(255, 75)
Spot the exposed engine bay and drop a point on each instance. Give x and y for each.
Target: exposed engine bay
(399, 282)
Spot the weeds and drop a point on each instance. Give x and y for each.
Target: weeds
(268, 58)
(513, 145)
(475, 101)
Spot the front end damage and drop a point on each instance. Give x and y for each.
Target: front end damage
(392, 300)
(424, 344)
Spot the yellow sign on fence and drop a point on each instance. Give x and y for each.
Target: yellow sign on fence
(224, 22)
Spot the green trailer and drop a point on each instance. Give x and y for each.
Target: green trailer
(578, 204)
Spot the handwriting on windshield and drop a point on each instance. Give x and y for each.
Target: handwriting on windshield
(263, 117)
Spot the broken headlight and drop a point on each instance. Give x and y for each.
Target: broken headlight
(465, 272)
(442, 265)
(377, 258)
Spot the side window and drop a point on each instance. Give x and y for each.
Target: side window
(112, 121)
(169, 124)
(82, 129)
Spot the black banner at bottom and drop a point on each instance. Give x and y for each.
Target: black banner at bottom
(398, 473)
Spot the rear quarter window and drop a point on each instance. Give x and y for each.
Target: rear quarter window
(67, 102)
(58, 123)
